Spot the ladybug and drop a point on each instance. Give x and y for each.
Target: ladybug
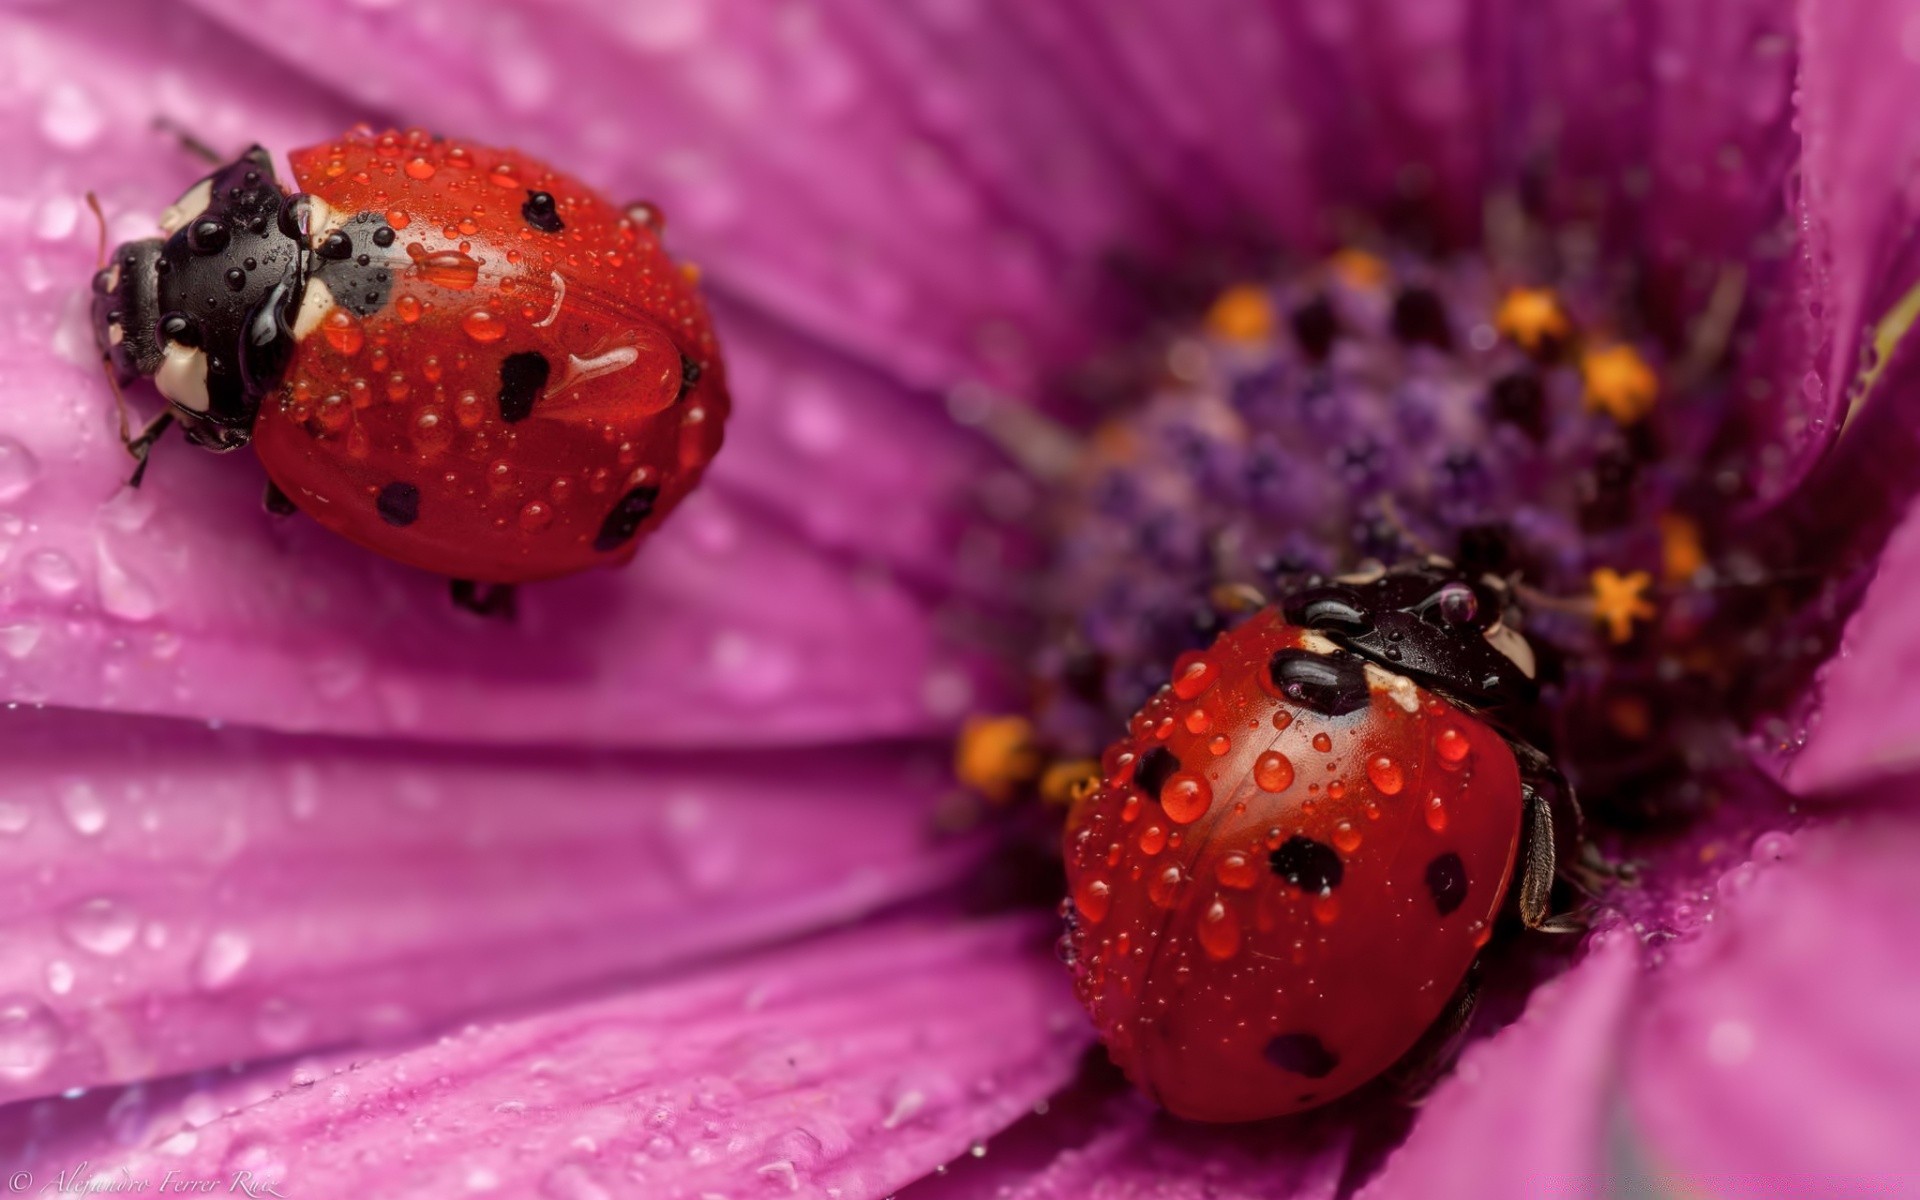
(448, 353)
(1282, 880)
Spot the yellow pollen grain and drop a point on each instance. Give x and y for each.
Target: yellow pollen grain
(1681, 555)
(1620, 600)
(1358, 269)
(1069, 781)
(1532, 318)
(690, 271)
(996, 755)
(1242, 313)
(1616, 380)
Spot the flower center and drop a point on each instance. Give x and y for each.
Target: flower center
(1376, 408)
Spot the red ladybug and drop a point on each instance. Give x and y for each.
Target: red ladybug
(448, 353)
(1294, 858)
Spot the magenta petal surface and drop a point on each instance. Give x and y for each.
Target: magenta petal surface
(1868, 721)
(844, 1067)
(1778, 1053)
(1523, 1114)
(176, 897)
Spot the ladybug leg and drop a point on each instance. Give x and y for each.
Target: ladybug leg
(140, 445)
(188, 142)
(1539, 867)
(485, 599)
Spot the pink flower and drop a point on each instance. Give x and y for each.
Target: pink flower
(310, 878)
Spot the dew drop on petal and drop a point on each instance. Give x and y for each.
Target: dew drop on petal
(85, 810)
(53, 572)
(102, 926)
(18, 469)
(30, 1039)
(222, 959)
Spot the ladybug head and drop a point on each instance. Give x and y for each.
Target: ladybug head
(207, 311)
(1430, 621)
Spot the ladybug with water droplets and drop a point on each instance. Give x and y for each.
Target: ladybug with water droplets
(449, 353)
(1279, 887)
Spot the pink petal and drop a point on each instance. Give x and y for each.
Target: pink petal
(844, 1067)
(1523, 1113)
(1779, 1052)
(1104, 1146)
(185, 598)
(1868, 717)
(181, 897)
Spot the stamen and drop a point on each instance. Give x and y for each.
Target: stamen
(1620, 600)
(1242, 314)
(996, 756)
(1359, 269)
(1618, 382)
(1532, 319)
(1681, 554)
(1066, 782)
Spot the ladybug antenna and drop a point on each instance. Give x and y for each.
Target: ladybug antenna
(100, 219)
(1390, 513)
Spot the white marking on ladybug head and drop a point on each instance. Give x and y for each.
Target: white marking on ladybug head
(1512, 643)
(1368, 571)
(190, 205)
(182, 376)
(322, 220)
(1398, 688)
(315, 303)
(1317, 643)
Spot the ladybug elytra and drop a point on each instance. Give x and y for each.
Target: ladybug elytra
(1290, 864)
(448, 353)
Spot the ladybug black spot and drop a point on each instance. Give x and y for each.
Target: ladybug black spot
(523, 375)
(625, 519)
(1447, 880)
(1314, 328)
(399, 504)
(1308, 865)
(1419, 317)
(1302, 1054)
(1329, 684)
(689, 376)
(542, 213)
(1151, 775)
(336, 246)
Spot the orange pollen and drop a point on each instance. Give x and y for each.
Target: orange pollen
(1620, 600)
(1617, 381)
(996, 755)
(1242, 313)
(1532, 319)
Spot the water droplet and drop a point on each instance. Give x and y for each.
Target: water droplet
(1186, 797)
(1153, 839)
(1386, 775)
(14, 818)
(30, 1039)
(1273, 771)
(1193, 675)
(1282, 719)
(281, 1025)
(418, 168)
(53, 572)
(483, 326)
(1165, 887)
(481, 1179)
(18, 469)
(1436, 814)
(1219, 744)
(122, 593)
(1219, 931)
(18, 641)
(85, 810)
(1453, 747)
(60, 977)
(1322, 743)
(1092, 898)
(101, 926)
(1198, 721)
(451, 269)
(70, 118)
(341, 330)
(535, 516)
(222, 959)
(572, 1181)
(1345, 837)
(1237, 871)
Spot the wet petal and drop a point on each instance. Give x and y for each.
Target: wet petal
(177, 897)
(846, 1066)
(1867, 720)
(1522, 1114)
(1092, 1144)
(185, 598)
(1778, 1052)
